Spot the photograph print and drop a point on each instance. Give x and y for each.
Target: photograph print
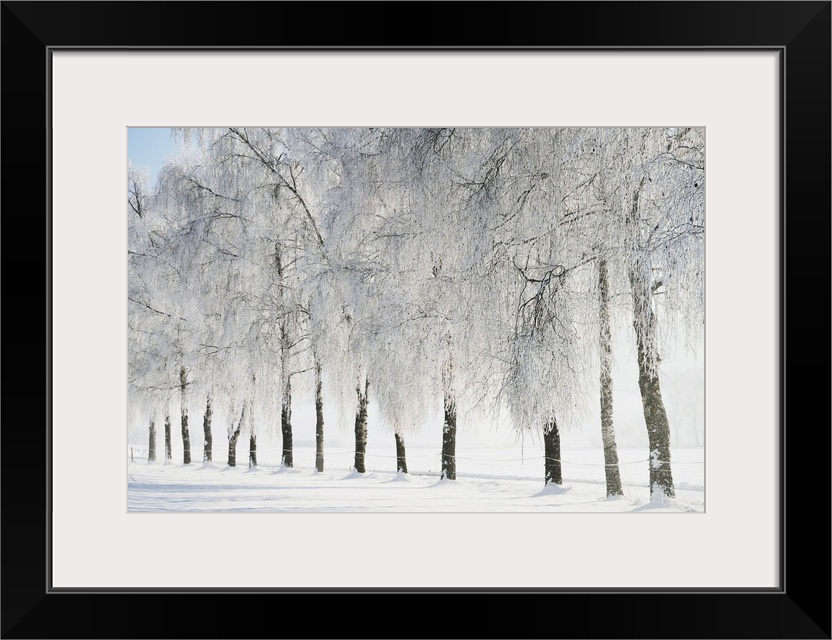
(416, 320)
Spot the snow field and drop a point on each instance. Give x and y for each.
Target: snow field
(508, 479)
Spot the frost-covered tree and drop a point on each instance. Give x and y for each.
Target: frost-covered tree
(228, 291)
(590, 177)
(181, 204)
(664, 217)
(534, 278)
(432, 234)
(350, 289)
(283, 228)
(150, 321)
(344, 289)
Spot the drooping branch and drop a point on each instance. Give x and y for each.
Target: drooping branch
(145, 304)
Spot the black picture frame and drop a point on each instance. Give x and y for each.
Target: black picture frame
(799, 31)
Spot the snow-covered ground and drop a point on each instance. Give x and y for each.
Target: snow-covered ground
(489, 479)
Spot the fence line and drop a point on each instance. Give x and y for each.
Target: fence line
(492, 460)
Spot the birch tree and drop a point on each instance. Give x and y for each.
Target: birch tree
(664, 217)
(151, 320)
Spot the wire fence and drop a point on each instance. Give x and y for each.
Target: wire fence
(142, 453)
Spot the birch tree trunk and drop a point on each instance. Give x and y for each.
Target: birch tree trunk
(233, 435)
(252, 450)
(207, 449)
(449, 422)
(640, 275)
(401, 455)
(361, 427)
(168, 453)
(151, 445)
(449, 439)
(319, 419)
(285, 349)
(611, 469)
(553, 467)
(183, 399)
(286, 424)
(655, 415)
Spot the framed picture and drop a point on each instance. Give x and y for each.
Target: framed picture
(754, 76)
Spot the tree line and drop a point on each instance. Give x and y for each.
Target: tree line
(460, 272)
